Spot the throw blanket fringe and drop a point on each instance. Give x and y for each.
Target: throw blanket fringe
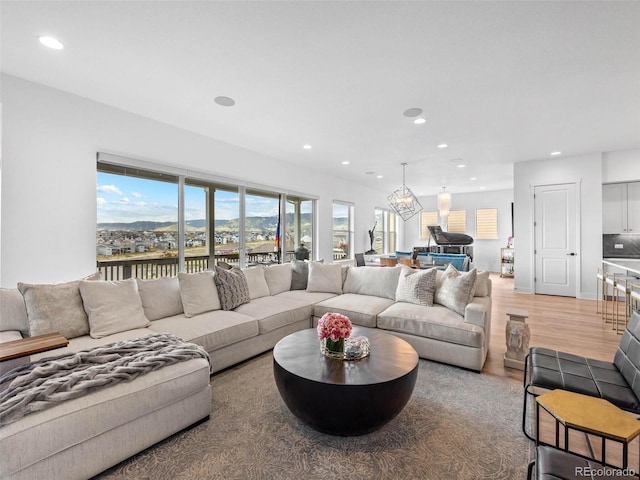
(35, 386)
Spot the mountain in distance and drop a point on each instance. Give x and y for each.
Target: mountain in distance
(253, 224)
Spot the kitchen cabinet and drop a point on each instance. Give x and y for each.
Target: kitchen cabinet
(621, 208)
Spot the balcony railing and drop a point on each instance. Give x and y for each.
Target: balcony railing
(148, 268)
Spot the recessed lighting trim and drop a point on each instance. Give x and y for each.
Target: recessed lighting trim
(482, 188)
(307, 147)
(443, 145)
(370, 173)
(51, 42)
(419, 121)
(346, 162)
(378, 176)
(412, 112)
(473, 179)
(462, 165)
(225, 101)
(555, 154)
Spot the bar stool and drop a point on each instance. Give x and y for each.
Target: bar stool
(608, 284)
(635, 296)
(600, 287)
(623, 286)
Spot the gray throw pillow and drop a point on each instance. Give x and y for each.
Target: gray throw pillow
(55, 308)
(416, 286)
(456, 289)
(232, 286)
(299, 274)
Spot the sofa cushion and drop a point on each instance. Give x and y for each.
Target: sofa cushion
(275, 312)
(309, 298)
(456, 289)
(13, 313)
(211, 330)
(375, 281)
(416, 286)
(435, 322)
(160, 297)
(55, 308)
(112, 306)
(325, 278)
(256, 282)
(361, 309)
(278, 278)
(198, 292)
(232, 286)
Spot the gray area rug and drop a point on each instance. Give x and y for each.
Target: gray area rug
(458, 425)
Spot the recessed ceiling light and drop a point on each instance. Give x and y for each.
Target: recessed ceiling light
(51, 42)
(378, 176)
(307, 147)
(462, 165)
(412, 112)
(443, 145)
(473, 179)
(419, 121)
(346, 162)
(482, 188)
(225, 101)
(555, 154)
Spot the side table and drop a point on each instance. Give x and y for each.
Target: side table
(16, 352)
(590, 415)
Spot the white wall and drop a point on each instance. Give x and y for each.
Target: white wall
(586, 172)
(48, 181)
(621, 166)
(486, 253)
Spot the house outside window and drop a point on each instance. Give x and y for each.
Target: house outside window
(342, 230)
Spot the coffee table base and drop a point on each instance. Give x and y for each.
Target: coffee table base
(344, 410)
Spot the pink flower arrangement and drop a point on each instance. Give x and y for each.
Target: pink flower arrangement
(334, 326)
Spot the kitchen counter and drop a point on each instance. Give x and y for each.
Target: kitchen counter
(628, 266)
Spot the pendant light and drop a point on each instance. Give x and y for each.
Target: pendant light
(403, 201)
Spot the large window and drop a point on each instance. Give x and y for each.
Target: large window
(486, 223)
(152, 224)
(385, 231)
(342, 230)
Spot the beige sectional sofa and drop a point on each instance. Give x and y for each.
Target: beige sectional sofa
(82, 437)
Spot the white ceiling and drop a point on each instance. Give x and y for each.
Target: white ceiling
(500, 82)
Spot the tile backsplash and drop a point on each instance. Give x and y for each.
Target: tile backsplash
(630, 246)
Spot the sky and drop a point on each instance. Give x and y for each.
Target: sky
(122, 199)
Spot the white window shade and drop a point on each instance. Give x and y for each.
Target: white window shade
(486, 224)
(427, 219)
(457, 222)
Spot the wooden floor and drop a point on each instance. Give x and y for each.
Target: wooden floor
(560, 323)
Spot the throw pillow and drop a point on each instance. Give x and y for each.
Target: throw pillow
(112, 307)
(160, 297)
(13, 315)
(325, 278)
(198, 292)
(374, 281)
(256, 282)
(232, 287)
(55, 308)
(279, 278)
(482, 284)
(299, 275)
(416, 286)
(456, 289)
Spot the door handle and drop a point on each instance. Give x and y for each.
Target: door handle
(572, 254)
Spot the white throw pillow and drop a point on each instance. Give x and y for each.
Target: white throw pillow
(325, 278)
(160, 297)
(112, 307)
(256, 282)
(198, 292)
(376, 281)
(482, 284)
(278, 278)
(416, 286)
(456, 289)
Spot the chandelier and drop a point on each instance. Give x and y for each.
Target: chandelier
(403, 201)
(444, 202)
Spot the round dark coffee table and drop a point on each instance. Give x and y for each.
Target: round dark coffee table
(345, 397)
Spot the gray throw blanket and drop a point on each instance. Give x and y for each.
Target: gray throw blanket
(42, 384)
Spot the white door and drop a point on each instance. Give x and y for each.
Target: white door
(555, 239)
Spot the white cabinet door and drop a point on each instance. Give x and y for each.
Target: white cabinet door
(633, 207)
(614, 208)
